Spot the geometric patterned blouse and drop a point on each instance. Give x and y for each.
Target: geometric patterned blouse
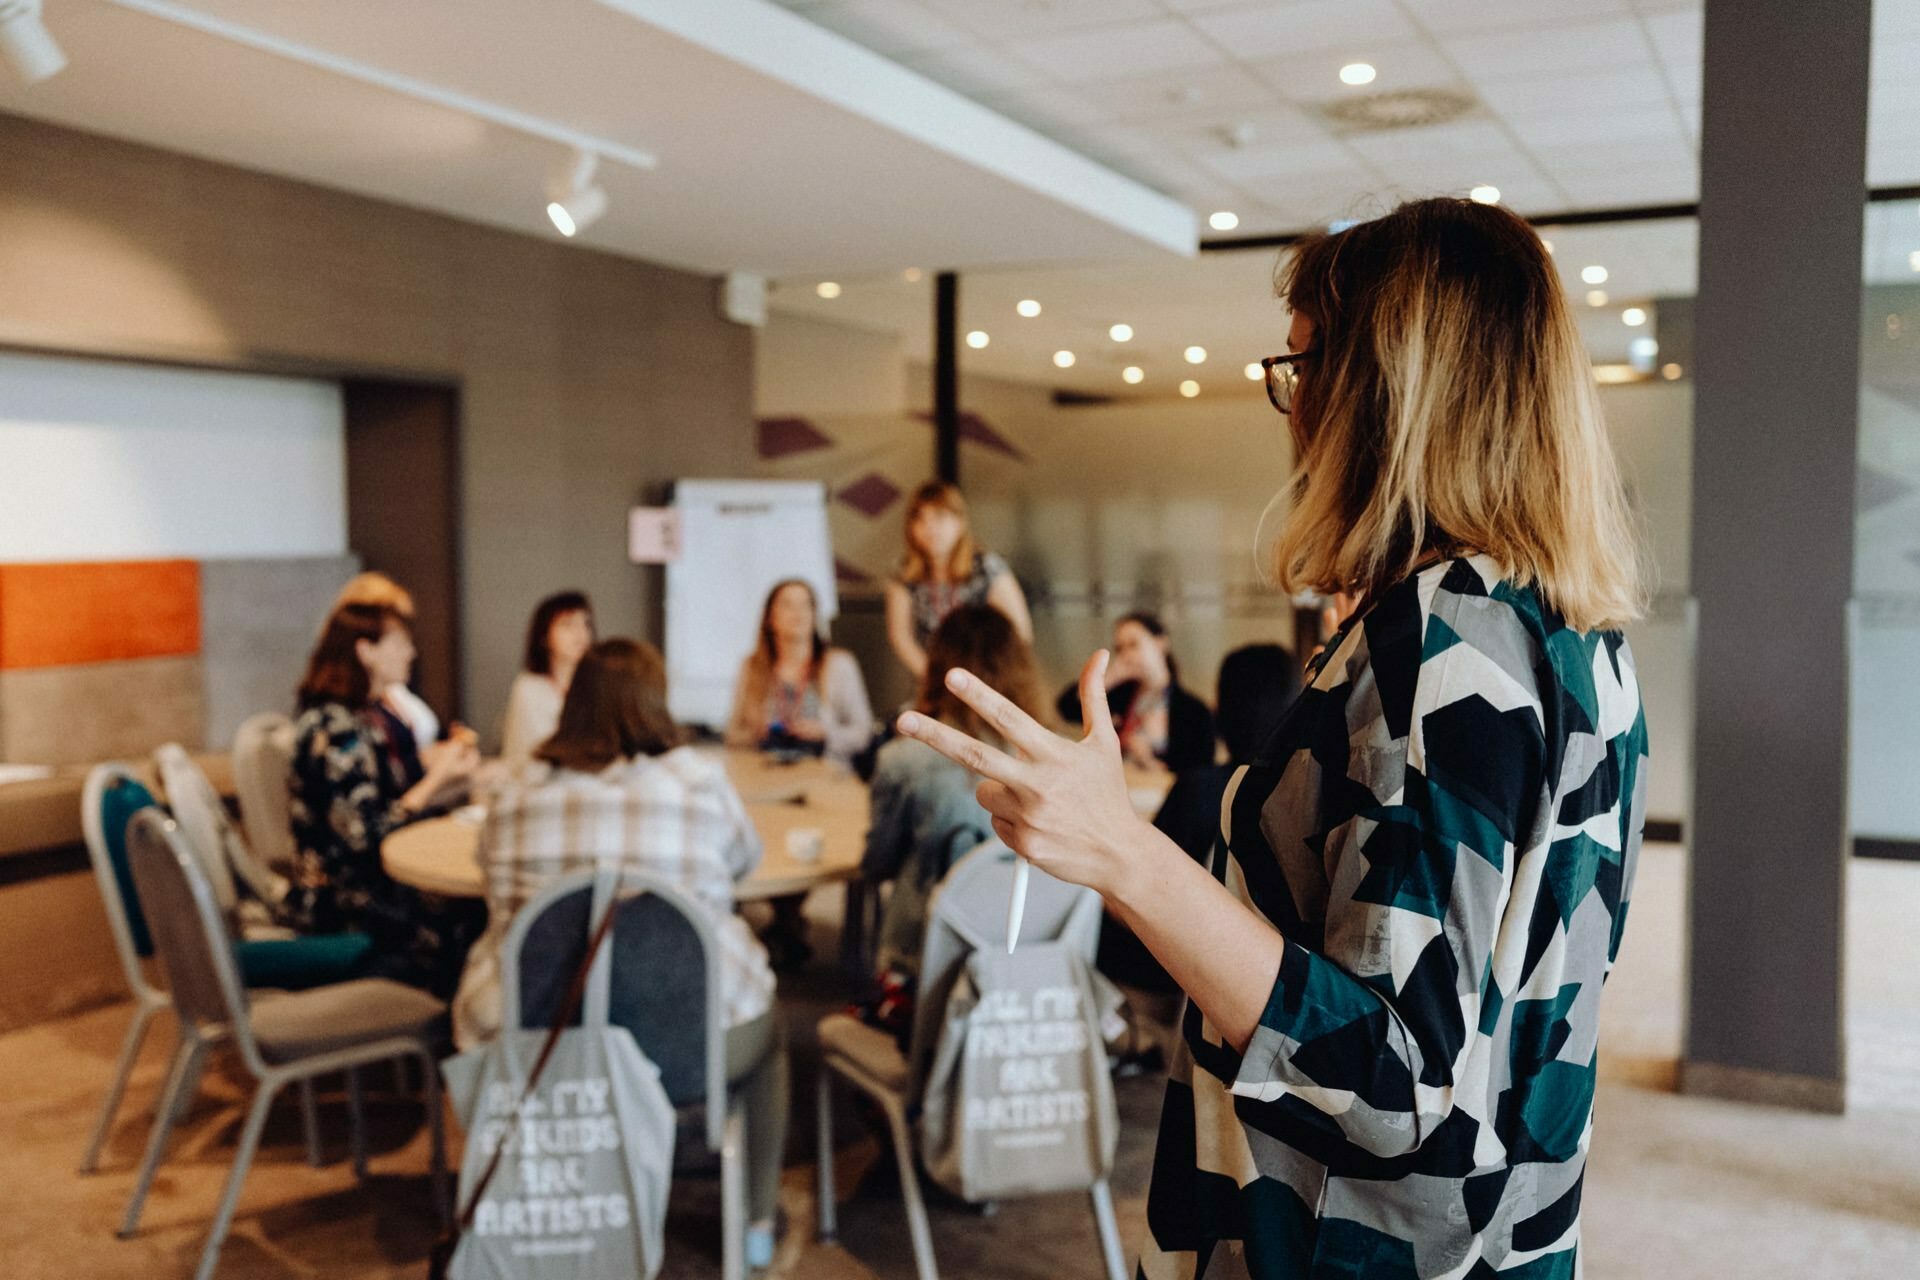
(1444, 829)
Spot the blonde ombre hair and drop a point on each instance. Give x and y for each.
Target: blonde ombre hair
(1448, 406)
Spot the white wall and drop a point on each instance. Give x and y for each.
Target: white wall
(113, 461)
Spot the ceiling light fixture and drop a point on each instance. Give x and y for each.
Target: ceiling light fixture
(827, 289)
(1223, 220)
(1121, 333)
(1357, 73)
(1027, 307)
(1189, 388)
(28, 46)
(1254, 372)
(1196, 355)
(1595, 274)
(1484, 194)
(1633, 317)
(911, 275)
(1063, 359)
(978, 339)
(1671, 372)
(1133, 373)
(574, 202)
(1596, 297)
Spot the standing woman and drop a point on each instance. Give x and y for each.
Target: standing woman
(351, 785)
(942, 570)
(794, 690)
(1394, 970)
(558, 636)
(1163, 727)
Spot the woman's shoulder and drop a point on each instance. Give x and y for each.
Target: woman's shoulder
(325, 719)
(838, 663)
(990, 564)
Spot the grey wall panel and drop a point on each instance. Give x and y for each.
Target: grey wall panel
(100, 710)
(258, 621)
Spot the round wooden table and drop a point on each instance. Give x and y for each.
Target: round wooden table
(440, 855)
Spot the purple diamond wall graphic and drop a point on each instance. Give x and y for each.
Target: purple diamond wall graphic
(780, 437)
(850, 574)
(974, 428)
(871, 494)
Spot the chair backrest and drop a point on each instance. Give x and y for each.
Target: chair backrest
(262, 769)
(112, 795)
(658, 976)
(202, 816)
(189, 930)
(968, 913)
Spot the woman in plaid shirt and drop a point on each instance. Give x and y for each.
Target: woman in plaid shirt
(611, 787)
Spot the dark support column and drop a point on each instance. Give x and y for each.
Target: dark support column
(1776, 417)
(946, 377)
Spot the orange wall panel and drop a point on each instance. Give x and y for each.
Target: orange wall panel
(54, 615)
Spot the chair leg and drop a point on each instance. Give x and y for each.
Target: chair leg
(357, 1123)
(310, 1122)
(437, 1134)
(917, 1225)
(1109, 1231)
(117, 1089)
(188, 1058)
(733, 1196)
(823, 1170)
(230, 1197)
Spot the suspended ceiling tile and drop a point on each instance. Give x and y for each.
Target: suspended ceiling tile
(1103, 53)
(1301, 26)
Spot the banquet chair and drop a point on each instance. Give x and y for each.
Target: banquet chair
(262, 764)
(289, 1037)
(969, 913)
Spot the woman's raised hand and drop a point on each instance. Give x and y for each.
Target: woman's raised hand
(1062, 805)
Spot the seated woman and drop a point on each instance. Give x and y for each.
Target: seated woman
(1162, 727)
(794, 691)
(612, 787)
(924, 815)
(352, 782)
(558, 636)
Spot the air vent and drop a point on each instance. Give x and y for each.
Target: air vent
(1410, 109)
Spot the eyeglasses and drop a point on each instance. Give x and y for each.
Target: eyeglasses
(1283, 377)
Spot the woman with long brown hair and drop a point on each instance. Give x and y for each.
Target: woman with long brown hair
(943, 569)
(795, 690)
(1394, 967)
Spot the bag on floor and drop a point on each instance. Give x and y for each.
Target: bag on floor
(1018, 1100)
(569, 1151)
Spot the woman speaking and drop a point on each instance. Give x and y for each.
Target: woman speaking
(1394, 968)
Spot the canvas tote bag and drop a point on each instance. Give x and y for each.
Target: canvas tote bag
(569, 1140)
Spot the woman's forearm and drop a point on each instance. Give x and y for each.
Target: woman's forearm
(1222, 954)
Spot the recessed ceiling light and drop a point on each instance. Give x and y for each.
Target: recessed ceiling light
(1063, 359)
(911, 275)
(1189, 388)
(827, 289)
(1484, 194)
(1357, 73)
(1223, 220)
(1027, 307)
(977, 339)
(1642, 350)
(1595, 274)
(1254, 372)
(1670, 371)
(1633, 317)
(1121, 333)
(1596, 297)
(1132, 373)
(1196, 355)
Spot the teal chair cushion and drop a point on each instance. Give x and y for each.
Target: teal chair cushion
(294, 964)
(118, 803)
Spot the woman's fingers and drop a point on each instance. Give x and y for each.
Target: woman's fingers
(962, 750)
(1094, 712)
(1013, 724)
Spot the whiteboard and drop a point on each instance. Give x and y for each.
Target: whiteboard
(737, 538)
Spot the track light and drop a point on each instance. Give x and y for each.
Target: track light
(25, 42)
(574, 202)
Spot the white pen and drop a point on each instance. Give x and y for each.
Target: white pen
(1018, 906)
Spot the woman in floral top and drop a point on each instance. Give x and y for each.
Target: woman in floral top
(1394, 967)
(352, 783)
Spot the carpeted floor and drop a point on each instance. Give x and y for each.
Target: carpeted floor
(1678, 1187)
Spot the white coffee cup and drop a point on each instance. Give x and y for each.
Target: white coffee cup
(806, 844)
